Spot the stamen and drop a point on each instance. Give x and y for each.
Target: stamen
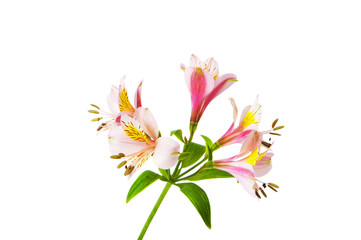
(266, 144)
(263, 193)
(129, 170)
(119, 156)
(93, 105)
(97, 119)
(278, 128)
(93, 111)
(257, 194)
(122, 164)
(274, 123)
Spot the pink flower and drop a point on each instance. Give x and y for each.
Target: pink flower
(249, 120)
(204, 84)
(118, 103)
(136, 138)
(246, 169)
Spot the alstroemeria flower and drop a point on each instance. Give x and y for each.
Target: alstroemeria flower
(246, 169)
(204, 84)
(118, 103)
(136, 138)
(250, 118)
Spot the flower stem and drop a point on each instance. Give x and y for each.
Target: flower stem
(155, 209)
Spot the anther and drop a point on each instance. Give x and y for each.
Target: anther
(93, 111)
(264, 185)
(97, 119)
(257, 194)
(266, 144)
(122, 164)
(93, 105)
(263, 193)
(129, 170)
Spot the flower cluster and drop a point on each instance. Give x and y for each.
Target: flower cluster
(134, 137)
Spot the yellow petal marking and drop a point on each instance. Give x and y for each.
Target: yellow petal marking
(124, 104)
(135, 133)
(250, 118)
(252, 158)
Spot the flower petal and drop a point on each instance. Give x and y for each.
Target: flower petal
(166, 152)
(195, 61)
(137, 97)
(113, 100)
(147, 122)
(251, 115)
(211, 66)
(252, 141)
(264, 165)
(119, 142)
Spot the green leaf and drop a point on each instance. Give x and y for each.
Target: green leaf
(206, 173)
(199, 199)
(142, 182)
(164, 174)
(209, 146)
(196, 151)
(178, 133)
(184, 155)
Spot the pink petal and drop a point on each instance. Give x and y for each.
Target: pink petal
(243, 172)
(137, 97)
(264, 165)
(221, 83)
(166, 152)
(147, 122)
(252, 141)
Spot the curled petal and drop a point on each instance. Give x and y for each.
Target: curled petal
(147, 122)
(166, 152)
(251, 142)
(137, 97)
(264, 165)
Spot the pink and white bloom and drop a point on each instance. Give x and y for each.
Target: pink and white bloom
(249, 120)
(246, 169)
(119, 104)
(204, 84)
(136, 138)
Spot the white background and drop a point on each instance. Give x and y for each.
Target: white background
(301, 57)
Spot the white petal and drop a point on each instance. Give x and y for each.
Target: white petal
(113, 100)
(147, 122)
(119, 142)
(166, 152)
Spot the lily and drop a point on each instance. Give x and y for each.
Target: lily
(204, 83)
(246, 169)
(249, 120)
(137, 138)
(119, 105)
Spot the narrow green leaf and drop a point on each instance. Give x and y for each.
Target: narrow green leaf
(206, 173)
(163, 172)
(209, 146)
(196, 151)
(142, 182)
(199, 199)
(178, 133)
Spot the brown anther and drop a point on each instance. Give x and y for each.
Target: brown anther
(99, 128)
(277, 134)
(122, 164)
(129, 170)
(264, 185)
(115, 157)
(266, 144)
(93, 105)
(257, 194)
(274, 123)
(263, 193)
(272, 188)
(278, 128)
(273, 185)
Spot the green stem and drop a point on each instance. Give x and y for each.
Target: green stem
(175, 173)
(155, 209)
(199, 163)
